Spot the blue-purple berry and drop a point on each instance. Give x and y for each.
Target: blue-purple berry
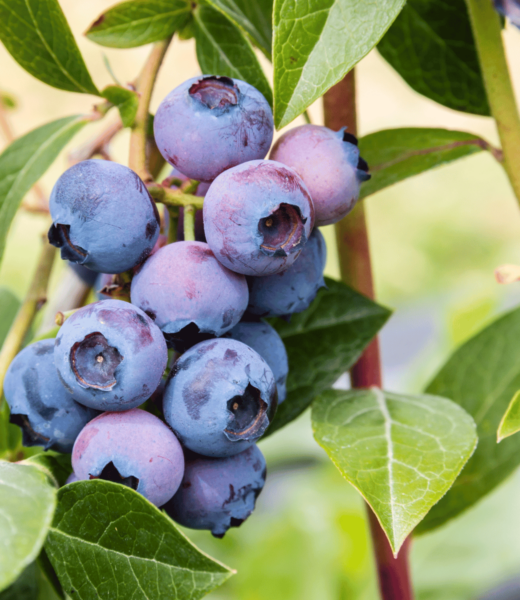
(264, 339)
(258, 217)
(509, 9)
(103, 217)
(293, 290)
(209, 124)
(46, 412)
(110, 355)
(133, 448)
(220, 398)
(189, 294)
(329, 164)
(218, 493)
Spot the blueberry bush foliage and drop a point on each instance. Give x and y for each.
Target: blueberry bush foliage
(417, 460)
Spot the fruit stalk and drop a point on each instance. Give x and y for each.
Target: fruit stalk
(35, 299)
(145, 85)
(189, 223)
(487, 30)
(339, 105)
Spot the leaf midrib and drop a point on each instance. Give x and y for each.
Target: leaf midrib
(132, 23)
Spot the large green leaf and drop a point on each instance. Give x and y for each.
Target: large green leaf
(431, 46)
(323, 342)
(27, 503)
(482, 376)
(252, 16)
(510, 423)
(107, 541)
(315, 43)
(127, 102)
(56, 465)
(38, 37)
(396, 154)
(402, 453)
(26, 160)
(139, 22)
(25, 587)
(222, 49)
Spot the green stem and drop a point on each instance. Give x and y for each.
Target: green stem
(189, 223)
(35, 299)
(174, 223)
(165, 195)
(488, 37)
(138, 159)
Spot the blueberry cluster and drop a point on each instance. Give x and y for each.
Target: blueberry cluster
(192, 342)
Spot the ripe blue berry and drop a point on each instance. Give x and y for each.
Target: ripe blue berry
(189, 294)
(218, 493)
(509, 9)
(133, 448)
(257, 217)
(220, 397)
(209, 124)
(110, 355)
(103, 217)
(329, 164)
(47, 413)
(264, 339)
(293, 290)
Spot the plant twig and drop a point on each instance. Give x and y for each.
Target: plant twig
(165, 195)
(487, 31)
(96, 146)
(145, 85)
(35, 299)
(339, 105)
(189, 223)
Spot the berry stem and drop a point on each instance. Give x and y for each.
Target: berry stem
(165, 195)
(189, 223)
(487, 30)
(138, 159)
(35, 299)
(339, 105)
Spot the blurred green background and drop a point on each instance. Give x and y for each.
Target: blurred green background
(436, 240)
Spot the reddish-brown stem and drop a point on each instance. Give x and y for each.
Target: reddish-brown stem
(339, 105)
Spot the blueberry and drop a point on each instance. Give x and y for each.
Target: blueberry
(110, 355)
(133, 448)
(220, 397)
(218, 493)
(209, 124)
(47, 413)
(87, 276)
(264, 339)
(293, 290)
(509, 9)
(329, 164)
(189, 294)
(72, 478)
(103, 217)
(257, 217)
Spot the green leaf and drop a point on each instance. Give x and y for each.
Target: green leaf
(107, 541)
(323, 342)
(431, 46)
(396, 154)
(401, 452)
(38, 37)
(25, 587)
(27, 503)
(254, 17)
(316, 43)
(139, 22)
(222, 49)
(26, 160)
(55, 465)
(482, 376)
(127, 102)
(510, 423)
(49, 573)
